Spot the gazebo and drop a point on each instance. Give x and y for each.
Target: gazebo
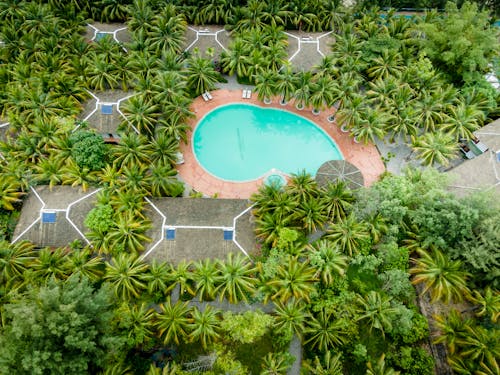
(334, 171)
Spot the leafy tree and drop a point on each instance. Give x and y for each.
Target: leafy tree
(100, 218)
(88, 150)
(462, 43)
(67, 325)
(246, 328)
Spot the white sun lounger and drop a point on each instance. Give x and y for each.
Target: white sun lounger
(249, 94)
(244, 94)
(208, 95)
(205, 97)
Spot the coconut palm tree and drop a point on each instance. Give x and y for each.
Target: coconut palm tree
(143, 16)
(163, 182)
(304, 86)
(285, 83)
(452, 327)
(380, 368)
(337, 200)
(435, 147)
(237, 59)
(14, 260)
(302, 186)
(167, 32)
(268, 227)
(265, 85)
(50, 263)
(163, 150)
(431, 110)
(349, 234)
(290, 318)
(294, 279)
(74, 175)
(141, 113)
(330, 365)
(207, 278)
(350, 111)
(218, 12)
(82, 262)
(324, 92)
(237, 281)
(101, 74)
(376, 311)
(133, 150)
(328, 261)
(324, 332)
(487, 303)
(126, 274)
(173, 322)
(311, 215)
(159, 279)
(462, 120)
(10, 192)
(48, 171)
(205, 325)
(137, 323)
(443, 277)
(275, 364)
(201, 74)
(182, 275)
(482, 346)
(389, 63)
(134, 179)
(176, 113)
(253, 17)
(128, 234)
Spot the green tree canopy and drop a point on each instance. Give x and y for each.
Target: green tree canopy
(88, 149)
(61, 328)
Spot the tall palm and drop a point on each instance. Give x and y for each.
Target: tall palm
(373, 125)
(82, 262)
(74, 175)
(182, 275)
(205, 325)
(302, 186)
(331, 365)
(201, 74)
(487, 303)
(128, 234)
(303, 91)
(237, 281)
(126, 274)
(132, 150)
(101, 74)
(325, 332)
(163, 150)
(159, 278)
(462, 120)
(350, 112)
(163, 181)
(173, 322)
(217, 12)
(137, 323)
(141, 113)
(285, 83)
(50, 263)
(268, 227)
(168, 85)
(265, 85)
(453, 328)
(176, 112)
(482, 345)
(14, 260)
(311, 215)
(167, 32)
(389, 63)
(207, 278)
(434, 148)
(323, 92)
(328, 261)
(337, 200)
(431, 111)
(380, 368)
(349, 234)
(376, 311)
(294, 279)
(10, 192)
(237, 59)
(290, 318)
(443, 277)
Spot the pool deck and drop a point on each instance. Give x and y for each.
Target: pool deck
(365, 157)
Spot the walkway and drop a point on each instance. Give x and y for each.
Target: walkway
(365, 157)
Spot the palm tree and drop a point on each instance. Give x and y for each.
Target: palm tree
(173, 322)
(265, 85)
(201, 74)
(487, 303)
(143, 15)
(332, 365)
(14, 260)
(182, 275)
(337, 200)
(135, 183)
(302, 186)
(176, 112)
(137, 322)
(294, 279)
(10, 192)
(217, 12)
(253, 17)
(324, 92)
(74, 175)
(50, 263)
(128, 234)
(207, 279)
(275, 364)
(237, 281)
(325, 332)
(435, 147)
(389, 63)
(380, 368)
(159, 279)
(462, 121)
(141, 113)
(163, 182)
(350, 112)
(349, 234)
(376, 311)
(82, 262)
(328, 261)
(237, 59)
(453, 328)
(268, 227)
(167, 32)
(373, 125)
(163, 150)
(482, 346)
(205, 325)
(132, 150)
(302, 94)
(291, 317)
(126, 274)
(168, 85)
(442, 276)
(430, 108)
(101, 74)
(311, 215)
(285, 83)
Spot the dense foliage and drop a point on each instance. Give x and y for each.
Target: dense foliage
(337, 266)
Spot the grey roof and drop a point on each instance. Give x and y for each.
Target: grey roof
(71, 206)
(199, 224)
(482, 172)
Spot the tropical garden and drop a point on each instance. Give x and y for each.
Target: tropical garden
(336, 267)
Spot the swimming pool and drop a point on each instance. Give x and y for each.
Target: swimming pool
(241, 142)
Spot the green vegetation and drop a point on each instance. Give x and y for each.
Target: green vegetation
(337, 266)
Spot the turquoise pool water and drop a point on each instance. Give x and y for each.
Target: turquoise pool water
(241, 142)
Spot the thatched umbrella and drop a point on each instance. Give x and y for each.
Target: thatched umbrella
(339, 170)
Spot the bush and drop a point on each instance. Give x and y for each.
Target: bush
(100, 218)
(88, 150)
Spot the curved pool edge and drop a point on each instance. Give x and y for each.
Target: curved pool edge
(365, 157)
(266, 106)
